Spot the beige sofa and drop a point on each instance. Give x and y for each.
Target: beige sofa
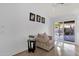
(44, 41)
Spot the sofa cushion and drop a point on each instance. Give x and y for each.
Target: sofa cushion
(39, 36)
(42, 37)
(45, 36)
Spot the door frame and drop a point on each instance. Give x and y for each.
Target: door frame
(63, 31)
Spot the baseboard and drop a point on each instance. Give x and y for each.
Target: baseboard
(19, 52)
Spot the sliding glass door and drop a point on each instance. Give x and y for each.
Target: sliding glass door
(64, 32)
(58, 34)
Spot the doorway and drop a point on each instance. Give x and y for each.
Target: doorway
(64, 36)
(64, 32)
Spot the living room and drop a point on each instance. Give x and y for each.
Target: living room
(16, 25)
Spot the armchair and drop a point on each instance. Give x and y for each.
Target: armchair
(44, 41)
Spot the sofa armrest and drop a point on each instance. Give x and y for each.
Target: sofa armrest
(50, 42)
(50, 37)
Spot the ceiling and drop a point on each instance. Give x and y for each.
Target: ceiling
(60, 9)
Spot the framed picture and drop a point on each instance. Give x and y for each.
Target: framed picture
(38, 18)
(43, 20)
(32, 17)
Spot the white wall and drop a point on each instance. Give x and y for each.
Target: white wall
(15, 25)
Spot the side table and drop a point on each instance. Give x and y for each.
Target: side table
(31, 45)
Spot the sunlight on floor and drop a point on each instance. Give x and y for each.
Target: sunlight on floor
(69, 49)
(59, 51)
(66, 50)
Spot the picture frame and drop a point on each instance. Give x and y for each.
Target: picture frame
(38, 18)
(32, 16)
(43, 20)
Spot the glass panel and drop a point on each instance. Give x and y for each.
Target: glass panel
(58, 32)
(69, 31)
